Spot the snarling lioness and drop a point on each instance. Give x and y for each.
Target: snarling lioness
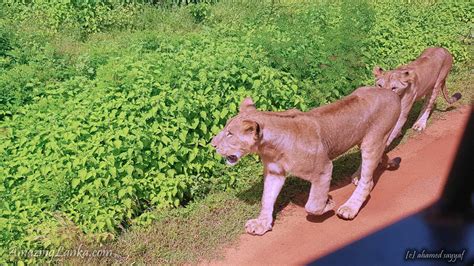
(304, 143)
(424, 77)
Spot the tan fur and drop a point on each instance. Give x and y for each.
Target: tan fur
(424, 77)
(304, 143)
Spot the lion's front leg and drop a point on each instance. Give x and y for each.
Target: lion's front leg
(271, 189)
(407, 103)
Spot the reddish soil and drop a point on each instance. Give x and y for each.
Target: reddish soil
(297, 238)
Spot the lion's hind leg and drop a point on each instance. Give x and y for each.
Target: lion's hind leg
(430, 99)
(318, 202)
(371, 154)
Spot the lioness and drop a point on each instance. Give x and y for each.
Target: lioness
(426, 76)
(304, 143)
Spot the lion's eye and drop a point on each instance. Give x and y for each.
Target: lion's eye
(229, 134)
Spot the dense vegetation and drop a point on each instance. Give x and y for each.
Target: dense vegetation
(107, 108)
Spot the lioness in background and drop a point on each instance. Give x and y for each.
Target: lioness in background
(426, 76)
(304, 143)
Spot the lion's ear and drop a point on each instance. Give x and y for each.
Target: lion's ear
(252, 128)
(246, 105)
(408, 75)
(377, 71)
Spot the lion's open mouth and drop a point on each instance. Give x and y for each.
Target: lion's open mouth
(232, 159)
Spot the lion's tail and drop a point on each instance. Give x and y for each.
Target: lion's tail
(454, 98)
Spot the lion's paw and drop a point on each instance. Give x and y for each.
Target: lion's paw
(418, 126)
(355, 180)
(346, 212)
(355, 176)
(258, 226)
(330, 204)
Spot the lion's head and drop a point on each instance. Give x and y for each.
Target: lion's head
(240, 136)
(397, 80)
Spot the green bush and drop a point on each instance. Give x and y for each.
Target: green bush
(333, 46)
(134, 138)
(320, 45)
(30, 66)
(199, 11)
(79, 17)
(5, 41)
(402, 32)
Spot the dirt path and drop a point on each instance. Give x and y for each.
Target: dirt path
(297, 238)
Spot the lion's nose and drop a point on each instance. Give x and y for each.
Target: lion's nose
(213, 142)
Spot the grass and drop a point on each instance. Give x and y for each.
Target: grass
(185, 235)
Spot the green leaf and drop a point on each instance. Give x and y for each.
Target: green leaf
(128, 203)
(232, 107)
(129, 169)
(122, 193)
(113, 172)
(194, 124)
(22, 170)
(183, 134)
(203, 128)
(118, 143)
(75, 182)
(82, 174)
